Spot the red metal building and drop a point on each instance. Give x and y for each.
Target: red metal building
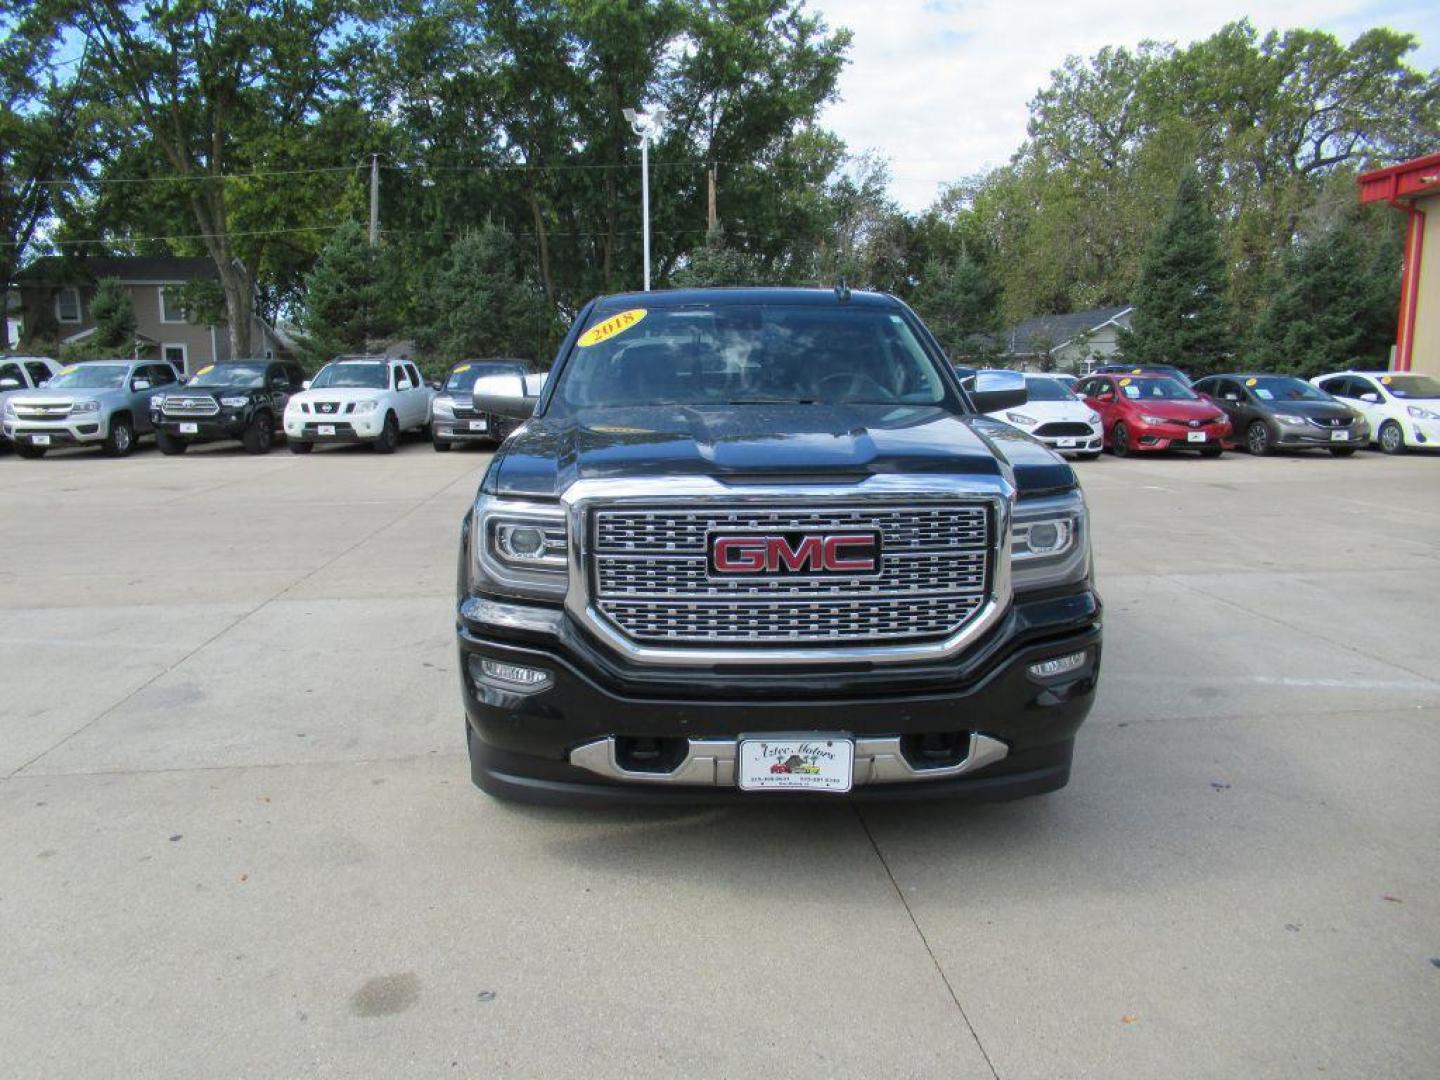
(1413, 187)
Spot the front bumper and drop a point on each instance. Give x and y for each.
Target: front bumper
(1423, 434)
(1177, 437)
(1074, 444)
(219, 426)
(564, 743)
(349, 428)
(73, 431)
(461, 430)
(1311, 436)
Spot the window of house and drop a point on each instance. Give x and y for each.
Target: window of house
(67, 304)
(170, 309)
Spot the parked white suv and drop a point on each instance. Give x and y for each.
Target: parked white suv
(357, 399)
(23, 373)
(1403, 408)
(1054, 415)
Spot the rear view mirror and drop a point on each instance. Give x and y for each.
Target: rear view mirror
(996, 390)
(504, 395)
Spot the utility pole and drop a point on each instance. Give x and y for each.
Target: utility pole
(711, 216)
(374, 199)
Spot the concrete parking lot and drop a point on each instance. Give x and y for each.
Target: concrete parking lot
(238, 838)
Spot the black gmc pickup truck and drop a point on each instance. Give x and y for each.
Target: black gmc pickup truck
(761, 543)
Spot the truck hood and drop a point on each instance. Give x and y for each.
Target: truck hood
(42, 396)
(835, 443)
(349, 393)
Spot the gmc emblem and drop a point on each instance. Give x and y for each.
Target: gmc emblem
(786, 554)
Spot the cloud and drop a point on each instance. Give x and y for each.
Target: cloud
(939, 87)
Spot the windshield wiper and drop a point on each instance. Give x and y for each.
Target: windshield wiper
(773, 401)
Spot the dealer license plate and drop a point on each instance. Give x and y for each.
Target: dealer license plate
(1065, 443)
(189, 429)
(327, 429)
(39, 440)
(479, 425)
(1195, 436)
(1339, 436)
(801, 763)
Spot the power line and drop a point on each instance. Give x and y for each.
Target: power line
(123, 241)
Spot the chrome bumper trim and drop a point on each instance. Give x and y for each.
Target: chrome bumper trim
(711, 762)
(512, 616)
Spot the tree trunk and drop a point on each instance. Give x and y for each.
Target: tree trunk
(239, 309)
(542, 242)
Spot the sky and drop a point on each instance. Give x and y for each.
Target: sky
(938, 87)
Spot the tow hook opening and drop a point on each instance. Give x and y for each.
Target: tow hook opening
(643, 753)
(935, 749)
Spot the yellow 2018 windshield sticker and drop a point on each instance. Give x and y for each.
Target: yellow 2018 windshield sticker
(616, 324)
(69, 369)
(1385, 379)
(206, 369)
(1252, 382)
(462, 367)
(1124, 382)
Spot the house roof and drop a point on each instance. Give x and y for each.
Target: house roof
(57, 270)
(1046, 332)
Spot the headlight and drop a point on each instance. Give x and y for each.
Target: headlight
(85, 407)
(1157, 419)
(157, 402)
(1421, 414)
(1050, 542)
(1020, 418)
(521, 548)
(365, 406)
(1287, 418)
(1094, 417)
(9, 409)
(234, 402)
(444, 406)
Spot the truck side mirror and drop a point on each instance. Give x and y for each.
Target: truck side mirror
(139, 384)
(9, 384)
(504, 395)
(305, 385)
(996, 390)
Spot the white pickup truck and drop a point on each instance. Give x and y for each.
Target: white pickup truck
(359, 399)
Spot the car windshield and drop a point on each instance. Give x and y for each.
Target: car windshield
(1407, 386)
(749, 354)
(1047, 390)
(246, 375)
(352, 375)
(1155, 389)
(1283, 388)
(90, 377)
(463, 376)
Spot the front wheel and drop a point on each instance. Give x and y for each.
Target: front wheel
(1392, 439)
(1257, 438)
(441, 447)
(170, 444)
(121, 439)
(30, 451)
(1342, 451)
(389, 435)
(259, 435)
(298, 446)
(1089, 455)
(1212, 451)
(1120, 440)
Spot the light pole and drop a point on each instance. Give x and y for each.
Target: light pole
(647, 126)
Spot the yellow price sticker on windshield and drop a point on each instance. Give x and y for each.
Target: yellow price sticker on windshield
(616, 324)
(1385, 379)
(1252, 382)
(1124, 382)
(206, 369)
(69, 370)
(1135, 371)
(462, 367)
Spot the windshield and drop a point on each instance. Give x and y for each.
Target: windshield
(743, 354)
(1153, 389)
(1047, 390)
(463, 376)
(90, 377)
(1283, 388)
(352, 375)
(246, 375)
(1403, 386)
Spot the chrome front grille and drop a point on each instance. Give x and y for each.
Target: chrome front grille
(1329, 422)
(49, 410)
(652, 581)
(203, 405)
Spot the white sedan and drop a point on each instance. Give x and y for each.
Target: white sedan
(1055, 416)
(1403, 408)
(369, 399)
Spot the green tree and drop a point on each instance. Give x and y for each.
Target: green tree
(1182, 309)
(482, 302)
(348, 297)
(960, 302)
(717, 263)
(113, 311)
(1334, 301)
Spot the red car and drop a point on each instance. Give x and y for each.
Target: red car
(1153, 412)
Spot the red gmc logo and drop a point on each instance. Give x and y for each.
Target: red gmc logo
(782, 554)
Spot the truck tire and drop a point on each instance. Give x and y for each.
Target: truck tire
(299, 446)
(170, 444)
(26, 450)
(121, 438)
(1391, 438)
(259, 435)
(389, 435)
(441, 447)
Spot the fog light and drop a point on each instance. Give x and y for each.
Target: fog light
(1060, 665)
(514, 677)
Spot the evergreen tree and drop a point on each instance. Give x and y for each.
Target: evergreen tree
(482, 303)
(717, 263)
(348, 298)
(960, 302)
(113, 310)
(1182, 307)
(1334, 302)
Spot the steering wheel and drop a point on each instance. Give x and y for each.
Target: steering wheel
(853, 384)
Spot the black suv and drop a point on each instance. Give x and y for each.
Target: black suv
(456, 421)
(234, 399)
(762, 543)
